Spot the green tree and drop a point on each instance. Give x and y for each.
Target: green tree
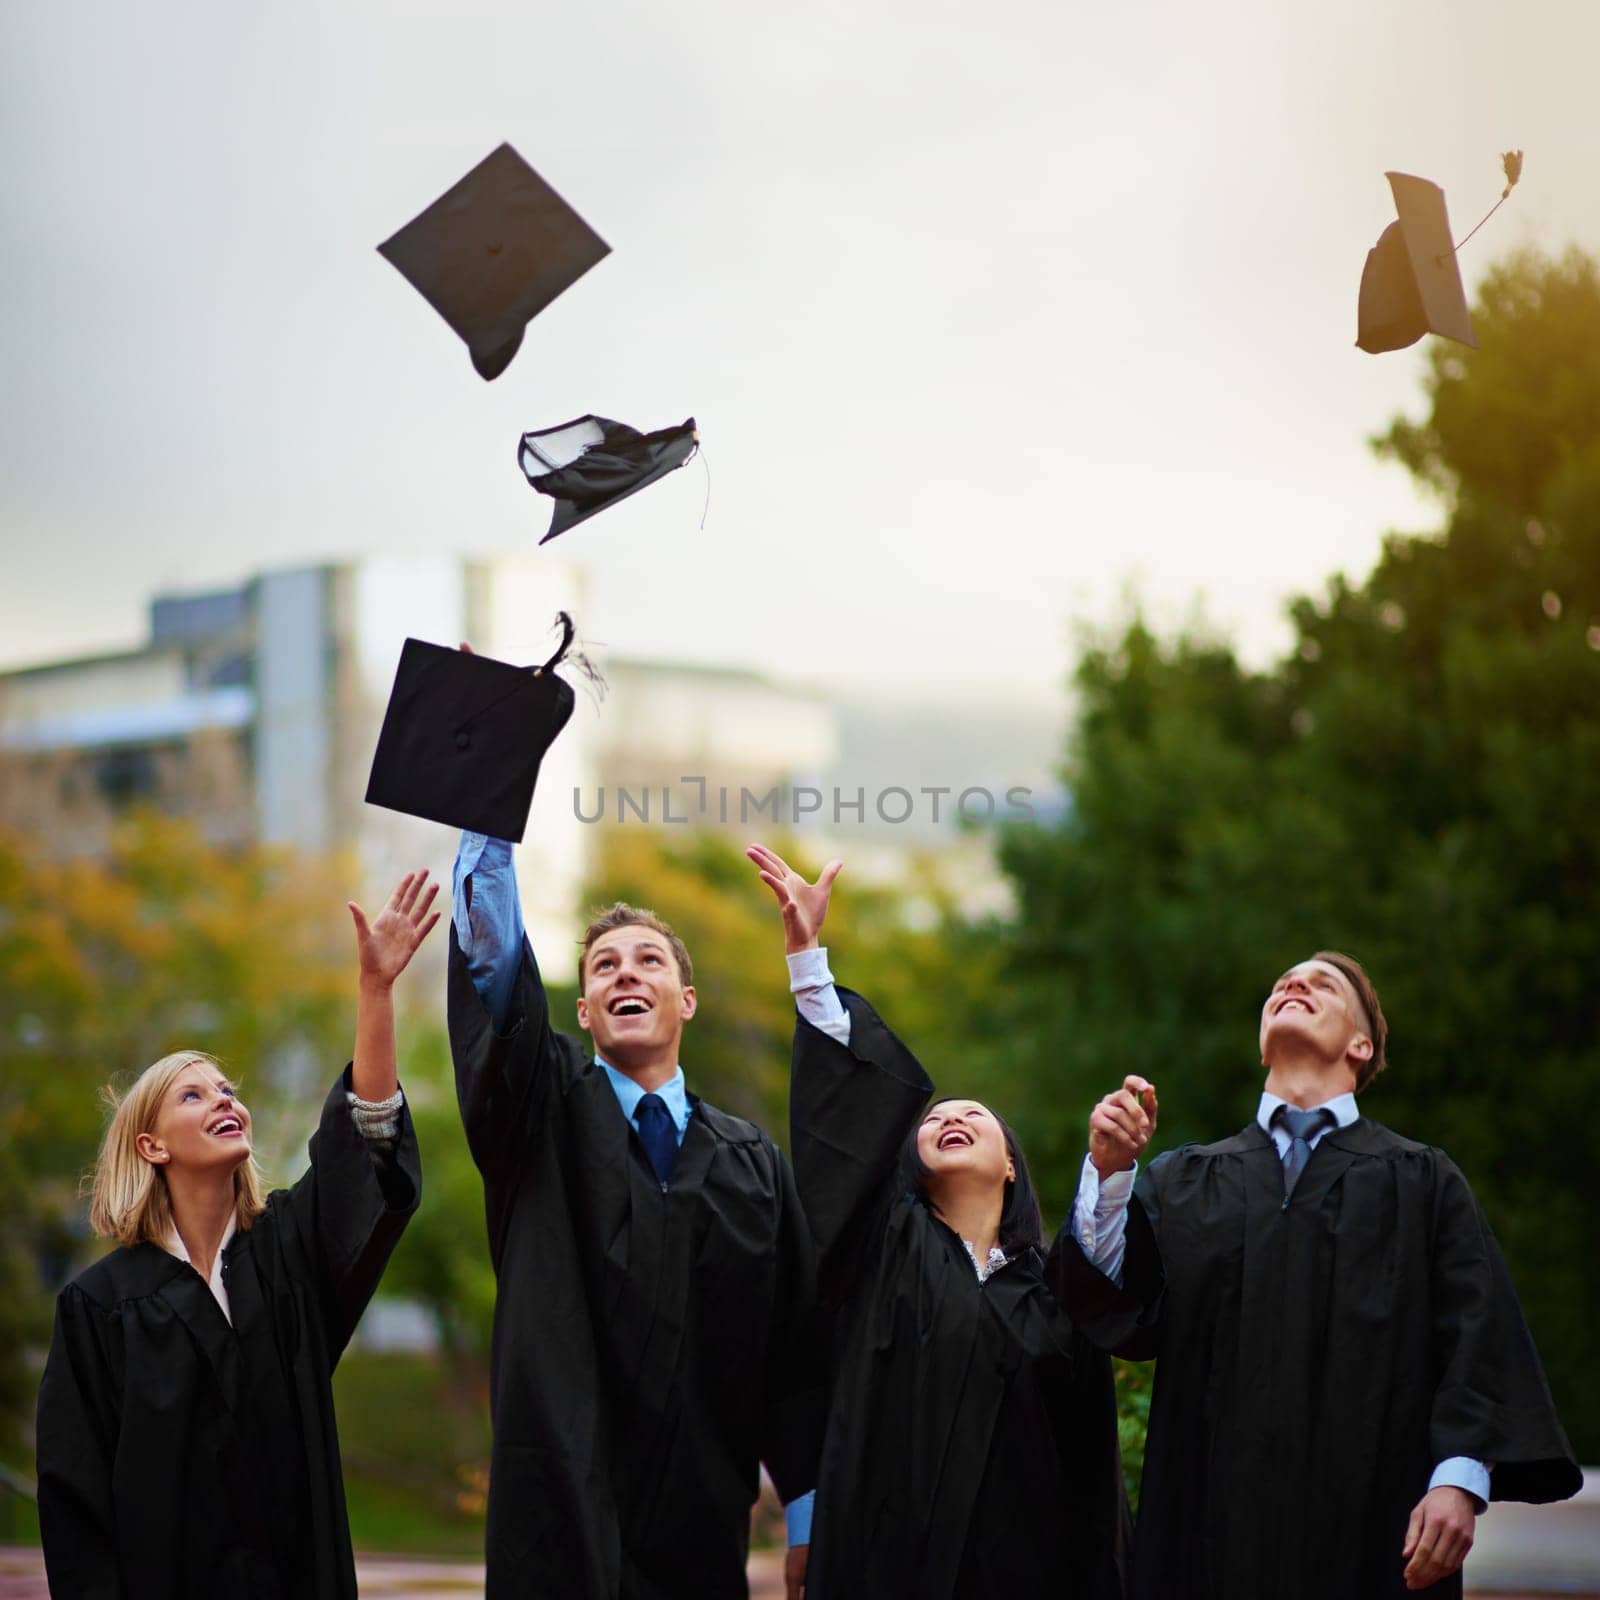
(1417, 781)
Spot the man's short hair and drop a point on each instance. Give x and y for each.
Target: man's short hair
(622, 915)
(1377, 1027)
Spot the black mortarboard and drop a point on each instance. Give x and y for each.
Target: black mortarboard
(1411, 284)
(592, 462)
(490, 254)
(463, 737)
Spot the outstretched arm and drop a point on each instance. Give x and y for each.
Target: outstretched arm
(804, 906)
(384, 948)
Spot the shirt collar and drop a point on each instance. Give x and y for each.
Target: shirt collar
(176, 1247)
(997, 1259)
(1342, 1106)
(675, 1092)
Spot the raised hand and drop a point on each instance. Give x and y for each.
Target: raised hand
(804, 905)
(1121, 1125)
(386, 945)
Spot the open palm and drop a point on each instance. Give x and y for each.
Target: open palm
(385, 945)
(804, 905)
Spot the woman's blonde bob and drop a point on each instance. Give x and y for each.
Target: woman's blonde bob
(128, 1195)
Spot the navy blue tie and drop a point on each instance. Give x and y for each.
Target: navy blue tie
(657, 1134)
(1301, 1126)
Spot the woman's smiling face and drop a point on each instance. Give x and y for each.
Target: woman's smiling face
(963, 1140)
(201, 1122)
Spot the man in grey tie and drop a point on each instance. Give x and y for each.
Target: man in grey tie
(1345, 1377)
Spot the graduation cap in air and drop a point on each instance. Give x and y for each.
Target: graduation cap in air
(592, 462)
(463, 736)
(1411, 284)
(491, 253)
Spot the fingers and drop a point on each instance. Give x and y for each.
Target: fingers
(1116, 1120)
(363, 931)
(403, 899)
(422, 910)
(1144, 1094)
(1122, 1108)
(770, 861)
(409, 888)
(1425, 1568)
(779, 888)
(829, 873)
(466, 649)
(1413, 1531)
(1437, 1538)
(428, 927)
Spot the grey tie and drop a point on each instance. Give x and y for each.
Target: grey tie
(1301, 1126)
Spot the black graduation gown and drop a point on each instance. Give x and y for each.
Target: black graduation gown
(1317, 1361)
(971, 1449)
(183, 1458)
(650, 1347)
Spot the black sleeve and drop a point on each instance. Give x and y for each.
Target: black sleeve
(796, 1399)
(1123, 1318)
(1491, 1401)
(351, 1206)
(504, 1080)
(77, 1439)
(850, 1110)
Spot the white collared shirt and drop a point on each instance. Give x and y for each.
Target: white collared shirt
(219, 1290)
(1342, 1106)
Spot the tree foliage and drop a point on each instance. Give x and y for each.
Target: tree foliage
(105, 966)
(1417, 782)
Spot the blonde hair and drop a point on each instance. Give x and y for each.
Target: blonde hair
(128, 1198)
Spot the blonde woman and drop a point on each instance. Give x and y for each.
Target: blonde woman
(186, 1436)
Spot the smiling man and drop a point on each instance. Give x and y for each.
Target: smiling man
(654, 1337)
(1345, 1377)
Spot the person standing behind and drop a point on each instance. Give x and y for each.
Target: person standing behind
(1344, 1376)
(186, 1438)
(653, 1330)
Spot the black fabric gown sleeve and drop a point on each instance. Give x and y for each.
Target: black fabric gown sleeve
(77, 1432)
(796, 1389)
(1491, 1401)
(1125, 1317)
(350, 1207)
(850, 1109)
(504, 1080)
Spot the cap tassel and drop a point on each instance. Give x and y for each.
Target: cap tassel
(1511, 165)
(563, 652)
(564, 622)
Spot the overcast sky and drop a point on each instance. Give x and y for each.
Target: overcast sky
(988, 313)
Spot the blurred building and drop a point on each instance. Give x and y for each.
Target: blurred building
(254, 712)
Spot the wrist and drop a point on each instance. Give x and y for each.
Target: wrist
(374, 986)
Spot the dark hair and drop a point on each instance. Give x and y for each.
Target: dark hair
(622, 915)
(1021, 1226)
(1377, 1025)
